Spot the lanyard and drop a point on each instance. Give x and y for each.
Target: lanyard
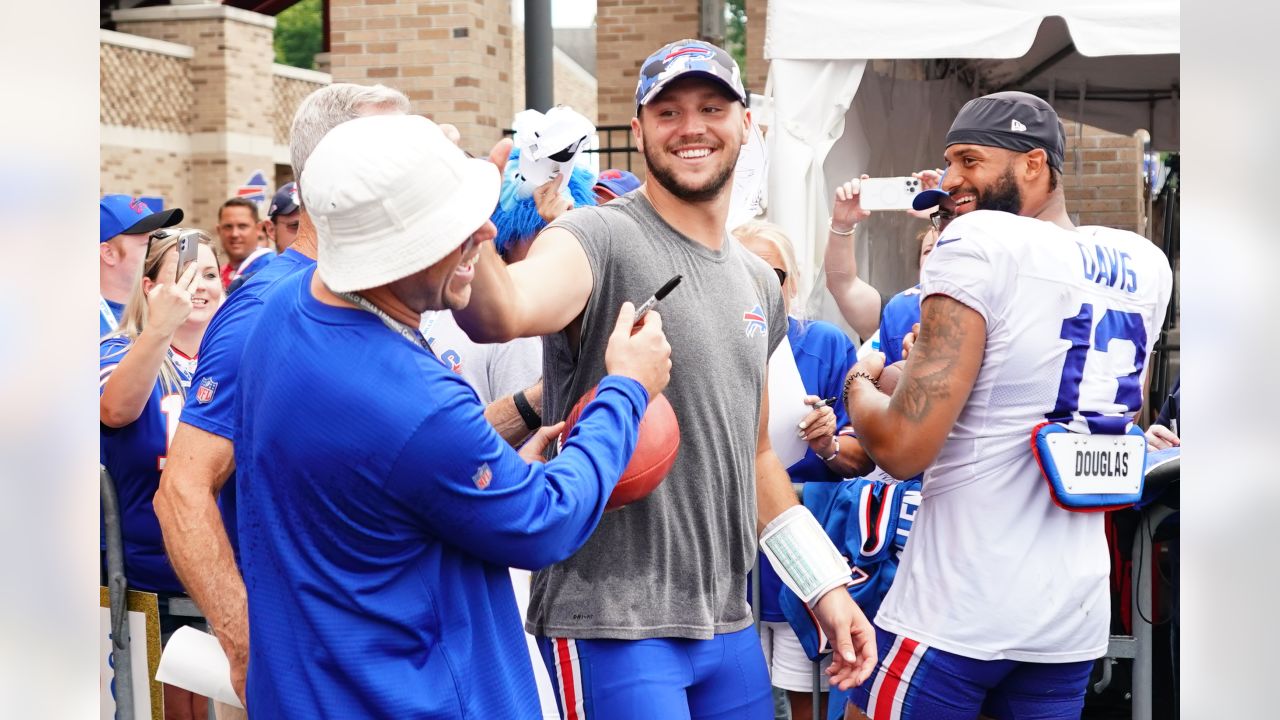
(410, 334)
(108, 316)
(429, 323)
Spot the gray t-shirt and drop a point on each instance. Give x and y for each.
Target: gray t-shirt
(675, 563)
(494, 370)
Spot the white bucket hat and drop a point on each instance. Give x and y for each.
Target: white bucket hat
(390, 196)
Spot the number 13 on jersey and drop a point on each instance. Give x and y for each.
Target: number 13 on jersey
(1103, 468)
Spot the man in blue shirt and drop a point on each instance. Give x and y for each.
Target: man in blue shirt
(200, 540)
(380, 509)
(123, 226)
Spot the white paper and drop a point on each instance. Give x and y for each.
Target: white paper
(194, 661)
(748, 180)
(786, 406)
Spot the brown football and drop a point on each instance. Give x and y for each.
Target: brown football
(890, 376)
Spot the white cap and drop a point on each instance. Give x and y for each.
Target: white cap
(390, 196)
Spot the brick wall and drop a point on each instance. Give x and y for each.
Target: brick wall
(189, 121)
(757, 69)
(572, 85)
(626, 32)
(452, 58)
(144, 89)
(233, 113)
(1107, 189)
(153, 172)
(288, 93)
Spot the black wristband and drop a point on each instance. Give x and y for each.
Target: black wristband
(531, 419)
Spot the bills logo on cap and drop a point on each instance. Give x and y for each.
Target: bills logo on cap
(204, 393)
(754, 318)
(138, 206)
(453, 360)
(689, 51)
(483, 476)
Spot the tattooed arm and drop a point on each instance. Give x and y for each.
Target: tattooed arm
(904, 433)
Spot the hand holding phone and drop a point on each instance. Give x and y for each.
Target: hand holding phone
(892, 193)
(188, 251)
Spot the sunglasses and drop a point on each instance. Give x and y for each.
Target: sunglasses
(782, 275)
(941, 219)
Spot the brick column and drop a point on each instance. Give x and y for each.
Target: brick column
(757, 69)
(232, 132)
(1108, 189)
(626, 32)
(451, 57)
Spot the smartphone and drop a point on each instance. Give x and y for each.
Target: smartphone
(188, 251)
(893, 193)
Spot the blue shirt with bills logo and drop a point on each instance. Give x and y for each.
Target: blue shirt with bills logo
(379, 514)
(134, 455)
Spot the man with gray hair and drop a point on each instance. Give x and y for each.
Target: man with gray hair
(381, 508)
(201, 454)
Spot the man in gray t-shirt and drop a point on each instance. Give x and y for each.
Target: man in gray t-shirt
(666, 575)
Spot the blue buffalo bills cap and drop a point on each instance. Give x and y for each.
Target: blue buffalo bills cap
(617, 182)
(926, 199)
(125, 215)
(1011, 120)
(285, 201)
(685, 58)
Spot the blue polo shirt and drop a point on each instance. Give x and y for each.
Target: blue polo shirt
(211, 400)
(380, 511)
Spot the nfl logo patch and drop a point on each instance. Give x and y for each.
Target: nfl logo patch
(483, 476)
(204, 393)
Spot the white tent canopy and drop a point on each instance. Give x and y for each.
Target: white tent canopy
(832, 118)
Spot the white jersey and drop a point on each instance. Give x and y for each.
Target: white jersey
(995, 570)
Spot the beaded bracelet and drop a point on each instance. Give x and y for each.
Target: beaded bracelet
(844, 396)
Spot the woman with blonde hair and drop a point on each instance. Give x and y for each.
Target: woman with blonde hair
(145, 369)
(823, 355)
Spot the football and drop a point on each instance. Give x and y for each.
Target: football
(655, 452)
(890, 375)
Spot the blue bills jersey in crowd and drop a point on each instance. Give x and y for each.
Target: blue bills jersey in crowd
(135, 455)
(211, 400)
(379, 514)
(899, 314)
(869, 521)
(823, 356)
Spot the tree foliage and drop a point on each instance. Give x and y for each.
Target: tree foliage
(299, 34)
(735, 32)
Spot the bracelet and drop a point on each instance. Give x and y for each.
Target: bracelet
(835, 440)
(844, 395)
(531, 419)
(834, 231)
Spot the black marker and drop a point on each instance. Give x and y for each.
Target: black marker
(825, 402)
(662, 292)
